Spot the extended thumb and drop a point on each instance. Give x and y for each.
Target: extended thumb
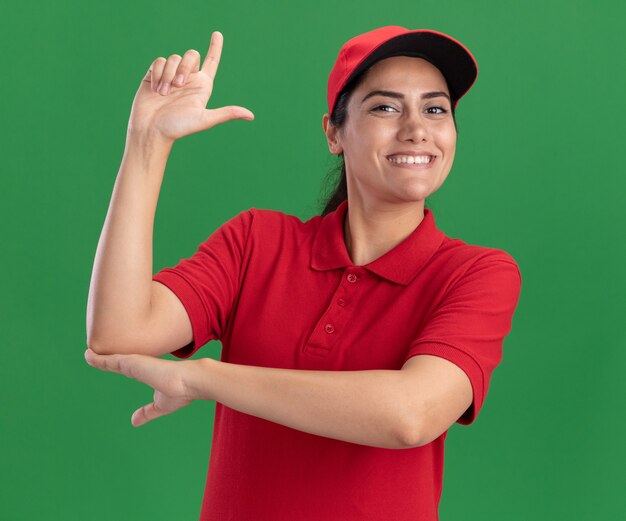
(223, 114)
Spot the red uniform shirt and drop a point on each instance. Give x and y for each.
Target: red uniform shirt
(278, 292)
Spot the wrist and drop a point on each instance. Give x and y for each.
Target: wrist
(147, 151)
(199, 378)
(147, 139)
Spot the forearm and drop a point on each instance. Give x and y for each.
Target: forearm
(120, 288)
(363, 407)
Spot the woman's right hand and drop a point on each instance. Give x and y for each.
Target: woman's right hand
(181, 110)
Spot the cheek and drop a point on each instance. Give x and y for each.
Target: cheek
(361, 145)
(452, 147)
(447, 140)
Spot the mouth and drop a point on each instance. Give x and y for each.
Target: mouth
(405, 161)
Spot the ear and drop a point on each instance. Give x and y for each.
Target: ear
(331, 135)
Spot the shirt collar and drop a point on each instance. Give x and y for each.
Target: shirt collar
(400, 264)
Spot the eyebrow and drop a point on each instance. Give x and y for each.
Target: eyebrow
(398, 95)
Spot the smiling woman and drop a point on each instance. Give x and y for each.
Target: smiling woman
(351, 342)
(398, 139)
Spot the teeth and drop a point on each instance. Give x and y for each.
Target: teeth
(411, 159)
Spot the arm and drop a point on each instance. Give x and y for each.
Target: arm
(382, 408)
(127, 312)
(364, 407)
(392, 409)
(119, 299)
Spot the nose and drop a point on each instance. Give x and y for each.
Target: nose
(413, 128)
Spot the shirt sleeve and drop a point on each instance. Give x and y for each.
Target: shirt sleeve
(209, 281)
(468, 327)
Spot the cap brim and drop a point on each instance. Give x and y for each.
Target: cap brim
(454, 61)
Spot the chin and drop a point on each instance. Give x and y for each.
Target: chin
(415, 193)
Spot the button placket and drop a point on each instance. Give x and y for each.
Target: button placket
(332, 323)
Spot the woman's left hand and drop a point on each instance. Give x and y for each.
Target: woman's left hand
(166, 377)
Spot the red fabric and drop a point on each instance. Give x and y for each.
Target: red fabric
(441, 48)
(278, 292)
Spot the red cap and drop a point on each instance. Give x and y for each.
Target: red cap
(451, 57)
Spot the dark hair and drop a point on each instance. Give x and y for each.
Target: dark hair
(338, 119)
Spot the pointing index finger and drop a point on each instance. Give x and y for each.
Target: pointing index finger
(212, 59)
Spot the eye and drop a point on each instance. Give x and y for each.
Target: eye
(381, 108)
(441, 109)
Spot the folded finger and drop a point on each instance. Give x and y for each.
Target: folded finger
(190, 63)
(168, 73)
(157, 71)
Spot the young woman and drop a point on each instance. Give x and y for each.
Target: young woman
(350, 342)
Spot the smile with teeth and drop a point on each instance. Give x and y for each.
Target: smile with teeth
(411, 160)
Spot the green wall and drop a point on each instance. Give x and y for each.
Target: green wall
(538, 173)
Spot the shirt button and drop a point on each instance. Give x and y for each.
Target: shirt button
(329, 328)
(351, 277)
(341, 302)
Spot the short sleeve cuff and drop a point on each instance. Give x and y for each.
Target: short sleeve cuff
(193, 305)
(465, 362)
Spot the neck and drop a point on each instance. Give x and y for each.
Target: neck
(371, 232)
